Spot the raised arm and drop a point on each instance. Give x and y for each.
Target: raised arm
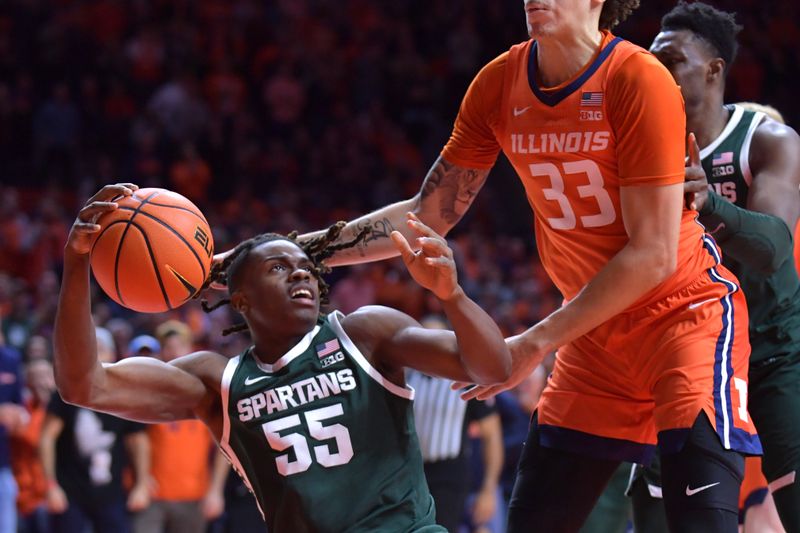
(452, 182)
(138, 388)
(446, 194)
(475, 350)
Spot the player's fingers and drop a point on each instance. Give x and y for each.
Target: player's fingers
(95, 209)
(473, 393)
(490, 392)
(112, 191)
(458, 385)
(402, 246)
(434, 246)
(439, 262)
(420, 227)
(694, 186)
(694, 150)
(86, 227)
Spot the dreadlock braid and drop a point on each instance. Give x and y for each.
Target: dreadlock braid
(317, 249)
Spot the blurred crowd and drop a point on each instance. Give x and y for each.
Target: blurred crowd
(270, 116)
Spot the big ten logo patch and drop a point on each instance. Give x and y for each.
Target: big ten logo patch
(202, 237)
(591, 114)
(331, 359)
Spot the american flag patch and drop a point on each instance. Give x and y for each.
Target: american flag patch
(592, 98)
(724, 158)
(327, 348)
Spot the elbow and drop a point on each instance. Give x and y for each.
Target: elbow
(431, 218)
(497, 372)
(79, 393)
(505, 371)
(71, 394)
(663, 263)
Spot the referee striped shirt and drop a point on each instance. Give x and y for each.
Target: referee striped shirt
(439, 416)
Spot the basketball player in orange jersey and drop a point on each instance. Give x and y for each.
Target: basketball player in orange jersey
(652, 338)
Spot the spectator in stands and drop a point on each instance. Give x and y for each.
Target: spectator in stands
(181, 453)
(25, 460)
(83, 455)
(12, 418)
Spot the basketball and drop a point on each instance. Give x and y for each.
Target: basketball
(153, 252)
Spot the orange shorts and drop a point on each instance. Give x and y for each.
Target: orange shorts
(754, 485)
(643, 377)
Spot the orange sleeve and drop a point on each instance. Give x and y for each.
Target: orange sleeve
(647, 115)
(472, 143)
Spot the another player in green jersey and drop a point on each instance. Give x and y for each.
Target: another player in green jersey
(743, 179)
(315, 415)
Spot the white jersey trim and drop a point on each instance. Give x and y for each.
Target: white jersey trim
(289, 356)
(224, 443)
(736, 116)
(744, 154)
(406, 392)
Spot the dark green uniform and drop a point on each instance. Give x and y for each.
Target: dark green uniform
(323, 441)
(773, 302)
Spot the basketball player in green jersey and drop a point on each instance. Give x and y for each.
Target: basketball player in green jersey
(743, 177)
(315, 416)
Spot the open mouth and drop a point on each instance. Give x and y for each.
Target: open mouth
(302, 294)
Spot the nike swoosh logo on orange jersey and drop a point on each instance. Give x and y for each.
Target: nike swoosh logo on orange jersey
(249, 381)
(520, 111)
(692, 492)
(695, 305)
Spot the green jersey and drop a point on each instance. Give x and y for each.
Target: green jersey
(773, 301)
(324, 441)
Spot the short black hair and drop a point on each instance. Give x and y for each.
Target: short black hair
(718, 28)
(317, 249)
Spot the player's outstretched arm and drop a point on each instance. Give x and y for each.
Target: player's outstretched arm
(138, 388)
(475, 350)
(446, 194)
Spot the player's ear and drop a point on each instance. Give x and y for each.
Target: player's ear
(716, 69)
(239, 302)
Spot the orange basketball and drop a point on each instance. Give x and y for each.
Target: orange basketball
(153, 252)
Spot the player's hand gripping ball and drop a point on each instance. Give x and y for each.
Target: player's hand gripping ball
(153, 252)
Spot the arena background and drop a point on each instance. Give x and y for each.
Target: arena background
(279, 115)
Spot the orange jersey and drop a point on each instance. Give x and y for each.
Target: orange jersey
(620, 122)
(180, 460)
(25, 462)
(797, 243)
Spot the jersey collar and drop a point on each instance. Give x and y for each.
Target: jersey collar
(552, 98)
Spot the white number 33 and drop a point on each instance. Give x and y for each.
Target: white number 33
(595, 188)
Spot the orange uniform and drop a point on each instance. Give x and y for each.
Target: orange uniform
(797, 243)
(180, 460)
(754, 486)
(680, 349)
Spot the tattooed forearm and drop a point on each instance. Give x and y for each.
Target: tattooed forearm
(381, 229)
(455, 188)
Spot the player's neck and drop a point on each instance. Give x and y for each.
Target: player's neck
(560, 59)
(268, 351)
(707, 121)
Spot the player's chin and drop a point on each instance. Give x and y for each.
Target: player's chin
(304, 309)
(537, 29)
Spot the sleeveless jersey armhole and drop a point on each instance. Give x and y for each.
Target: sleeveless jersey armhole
(744, 155)
(406, 392)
